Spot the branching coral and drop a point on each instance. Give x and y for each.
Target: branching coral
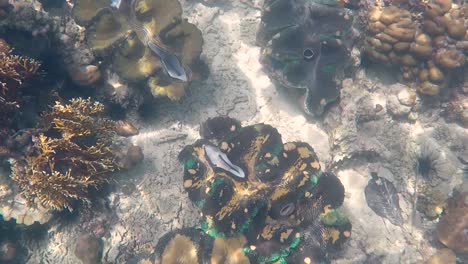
(70, 158)
(15, 71)
(426, 39)
(262, 201)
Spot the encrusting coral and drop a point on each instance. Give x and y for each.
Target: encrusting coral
(427, 40)
(109, 32)
(451, 230)
(262, 200)
(72, 156)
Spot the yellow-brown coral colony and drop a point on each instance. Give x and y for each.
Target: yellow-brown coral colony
(72, 156)
(428, 43)
(15, 70)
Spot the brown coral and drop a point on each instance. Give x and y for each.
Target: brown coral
(15, 71)
(452, 227)
(72, 156)
(426, 40)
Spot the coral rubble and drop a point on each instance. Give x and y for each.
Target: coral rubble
(306, 45)
(108, 32)
(72, 156)
(262, 200)
(427, 40)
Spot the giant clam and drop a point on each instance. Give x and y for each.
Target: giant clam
(262, 200)
(306, 45)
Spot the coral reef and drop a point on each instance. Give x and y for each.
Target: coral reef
(8, 251)
(261, 200)
(72, 156)
(5, 8)
(452, 227)
(427, 40)
(306, 45)
(108, 32)
(61, 32)
(88, 249)
(456, 110)
(15, 72)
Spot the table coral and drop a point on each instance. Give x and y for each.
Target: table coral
(108, 33)
(427, 41)
(72, 156)
(262, 200)
(306, 45)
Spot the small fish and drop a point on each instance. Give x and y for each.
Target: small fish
(170, 61)
(116, 3)
(220, 160)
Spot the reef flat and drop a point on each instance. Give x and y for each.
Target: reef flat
(378, 128)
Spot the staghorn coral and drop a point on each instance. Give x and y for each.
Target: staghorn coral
(425, 39)
(306, 45)
(15, 71)
(108, 32)
(262, 200)
(71, 157)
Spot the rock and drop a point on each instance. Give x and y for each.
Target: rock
(89, 249)
(464, 118)
(407, 97)
(8, 251)
(443, 256)
(396, 108)
(133, 157)
(84, 75)
(125, 129)
(413, 116)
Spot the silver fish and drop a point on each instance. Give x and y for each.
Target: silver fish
(170, 62)
(220, 160)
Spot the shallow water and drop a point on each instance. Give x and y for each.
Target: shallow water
(380, 130)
